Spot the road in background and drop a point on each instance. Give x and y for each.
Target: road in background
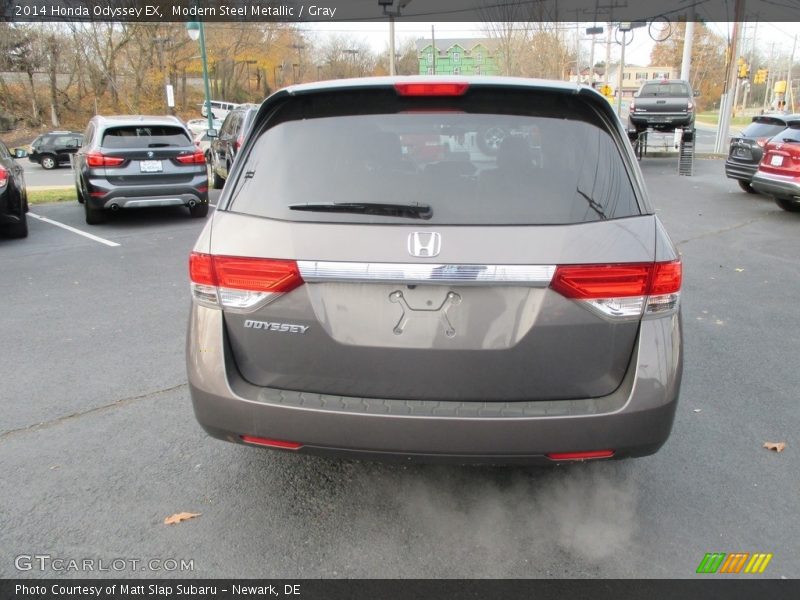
(98, 442)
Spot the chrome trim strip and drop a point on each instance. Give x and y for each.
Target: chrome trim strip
(530, 275)
(126, 203)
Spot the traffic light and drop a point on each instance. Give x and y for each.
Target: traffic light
(744, 69)
(761, 76)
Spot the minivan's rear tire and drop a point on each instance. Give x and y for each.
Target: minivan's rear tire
(48, 162)
(745, 185)
(94, 216)
(788, 204)
(198, 211)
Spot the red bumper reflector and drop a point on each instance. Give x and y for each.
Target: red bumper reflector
(580, 455)
(453, 88)
(259, 441)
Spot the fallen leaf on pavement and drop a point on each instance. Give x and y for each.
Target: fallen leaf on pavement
(178, 517)
(739, 270)
(775, 446)
(698, 410)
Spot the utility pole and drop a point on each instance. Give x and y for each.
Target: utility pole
(608, 55)
(621, 69)
(688, 42)
(727, 104)
(433, 54)
(577, 49)
(789, 74)
(770, 78)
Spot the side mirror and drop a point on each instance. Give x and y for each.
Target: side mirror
(20, 153)
(696, 93)
(635, 94)
(212, 133)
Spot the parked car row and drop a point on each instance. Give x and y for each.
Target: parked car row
(765, 158)
(13, 194)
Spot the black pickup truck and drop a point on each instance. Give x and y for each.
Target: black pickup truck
(664, 105)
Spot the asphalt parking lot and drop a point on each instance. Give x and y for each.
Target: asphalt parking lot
(98, 442)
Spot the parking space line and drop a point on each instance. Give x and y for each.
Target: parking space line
(73, 230)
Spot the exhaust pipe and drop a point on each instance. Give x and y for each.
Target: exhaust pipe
(192, 203)
(115, 207)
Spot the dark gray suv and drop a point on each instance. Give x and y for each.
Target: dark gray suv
(376, 284)
(138, 162)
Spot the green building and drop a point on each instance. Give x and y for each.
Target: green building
(458, 56)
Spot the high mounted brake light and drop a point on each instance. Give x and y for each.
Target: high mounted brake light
(622, 290)
(457, 88)
(241, 283)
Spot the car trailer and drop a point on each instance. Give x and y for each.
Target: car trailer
(684, 139)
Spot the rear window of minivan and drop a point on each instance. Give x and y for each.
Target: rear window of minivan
(492, 160)
(144, 136)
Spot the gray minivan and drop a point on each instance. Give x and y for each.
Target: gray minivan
(374, 284)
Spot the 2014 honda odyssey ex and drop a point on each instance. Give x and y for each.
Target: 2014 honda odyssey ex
(373, 284)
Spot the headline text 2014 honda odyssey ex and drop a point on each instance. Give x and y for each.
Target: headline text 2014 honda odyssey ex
(380, 282)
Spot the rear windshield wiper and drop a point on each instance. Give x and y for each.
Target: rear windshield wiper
(410, 211)
(594, 205)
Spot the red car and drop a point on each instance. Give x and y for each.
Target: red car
(778, 173)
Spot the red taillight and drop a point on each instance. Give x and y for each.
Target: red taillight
(458, 88)
(580, 455)
(240, 282)
(196, 158)
(3, 176)
(98, 159)
(259, 441)
(586, 282)
(256, 274)
(667, 278)
(238, 143)
(583, 282)
(201, 269)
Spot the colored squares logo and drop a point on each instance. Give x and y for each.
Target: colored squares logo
(734, 563)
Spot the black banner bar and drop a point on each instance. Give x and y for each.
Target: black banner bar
(379, 10)
(711, 588)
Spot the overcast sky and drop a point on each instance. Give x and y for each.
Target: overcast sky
(770, 36)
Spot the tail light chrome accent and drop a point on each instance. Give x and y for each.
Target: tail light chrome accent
(415, 273)
(240, 283)
(622, 291)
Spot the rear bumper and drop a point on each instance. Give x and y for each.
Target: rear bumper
(779, 186)
(663, 121)
(740, 170)
(102, 195)
(635, 420)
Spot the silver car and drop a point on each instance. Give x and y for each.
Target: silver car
(377, 282)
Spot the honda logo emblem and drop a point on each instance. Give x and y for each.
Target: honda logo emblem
(424, 243)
